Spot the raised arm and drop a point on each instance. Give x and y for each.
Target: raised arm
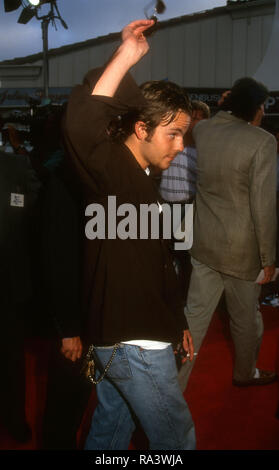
(106, 92)
(133, 47)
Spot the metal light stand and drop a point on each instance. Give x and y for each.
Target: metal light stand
(44, 24)
(45, 20)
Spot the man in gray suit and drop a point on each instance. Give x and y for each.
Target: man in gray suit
(234, 226)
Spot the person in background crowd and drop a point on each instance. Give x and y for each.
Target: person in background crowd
(234, 226)
(178, 185)
(178, 182)
(19, 188)
(56, 278)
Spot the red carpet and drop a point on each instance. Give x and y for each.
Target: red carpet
(226, 417)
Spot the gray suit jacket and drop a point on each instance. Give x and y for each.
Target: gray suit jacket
(235, 217)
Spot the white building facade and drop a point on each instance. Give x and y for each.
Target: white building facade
(203, 52)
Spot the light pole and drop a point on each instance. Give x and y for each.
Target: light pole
(44, 24)
(32, 8)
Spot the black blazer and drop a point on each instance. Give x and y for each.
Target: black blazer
(130, 286)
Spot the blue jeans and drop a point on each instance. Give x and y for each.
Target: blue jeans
(141, 383)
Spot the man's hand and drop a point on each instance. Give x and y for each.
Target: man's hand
(14, 136)
(268, 274)
(133, 47)
(72, 348)
(184, 351)
(133, 39)
(188, 346)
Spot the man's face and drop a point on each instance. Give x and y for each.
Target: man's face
(223, 96)
(258, 117)
(166, 142)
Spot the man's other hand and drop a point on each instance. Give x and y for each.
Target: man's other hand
(268, 274)
(72, 348)
(188, 346)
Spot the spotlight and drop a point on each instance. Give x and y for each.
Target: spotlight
(11, 5)
(26, 15)
(37, 3)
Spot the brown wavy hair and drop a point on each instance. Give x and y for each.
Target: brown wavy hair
(164, 100)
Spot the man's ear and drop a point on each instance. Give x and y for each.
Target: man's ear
(258, 117)
(140, 130)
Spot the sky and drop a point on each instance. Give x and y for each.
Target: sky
(86, 19)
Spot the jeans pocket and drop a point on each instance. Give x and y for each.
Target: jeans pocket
(120, 367)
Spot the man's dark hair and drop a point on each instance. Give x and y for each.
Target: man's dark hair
(163, 101)
(246, 97)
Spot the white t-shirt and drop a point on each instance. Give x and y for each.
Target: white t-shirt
(146, 344)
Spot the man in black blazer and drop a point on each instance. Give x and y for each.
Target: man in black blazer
(113, 132)
(18, 192)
